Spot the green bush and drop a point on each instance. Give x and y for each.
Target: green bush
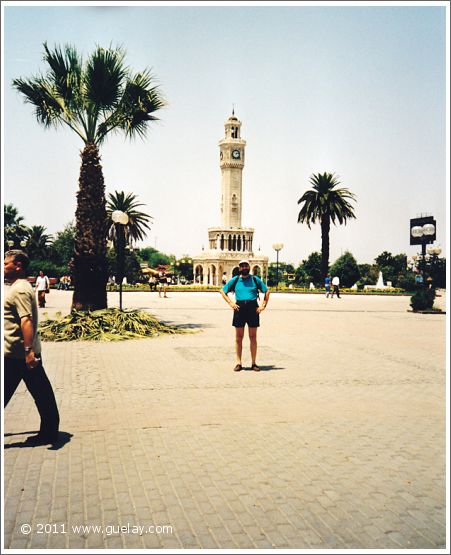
(423, 299)
(407, 281)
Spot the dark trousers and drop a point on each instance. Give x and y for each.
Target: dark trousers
(336, 291)
(40, 388)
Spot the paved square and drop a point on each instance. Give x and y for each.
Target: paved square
(338, 443)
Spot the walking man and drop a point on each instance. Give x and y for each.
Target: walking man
(336, 287)
(42, 287)
(23, 348)
(327, 281)
(246, 310)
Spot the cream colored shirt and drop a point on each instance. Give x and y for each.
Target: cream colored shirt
(20, 301)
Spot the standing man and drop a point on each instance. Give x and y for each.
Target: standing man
(245, 310)
(336, 287)
(23, 347)
(162, 281)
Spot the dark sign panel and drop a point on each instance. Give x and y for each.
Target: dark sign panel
(420, 222)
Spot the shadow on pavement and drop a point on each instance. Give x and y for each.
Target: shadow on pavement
(267, 368)
(63, 438)
(188, 326)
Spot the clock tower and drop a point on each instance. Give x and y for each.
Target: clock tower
(231, 162)
(230, 242)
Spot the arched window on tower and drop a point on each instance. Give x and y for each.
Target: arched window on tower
(222, 242)
(230, 242)
(244, 242)
(234, 132)
(234, 203)
(238, 244)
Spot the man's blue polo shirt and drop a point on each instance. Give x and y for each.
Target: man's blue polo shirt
(245, 289)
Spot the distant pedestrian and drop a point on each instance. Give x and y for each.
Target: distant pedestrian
(152, 283)
(42, 287)
(246, 309)
(327, 282)
(22, 350)
(336, 287)
(162, 282)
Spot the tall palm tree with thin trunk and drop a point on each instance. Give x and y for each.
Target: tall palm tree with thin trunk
(325, 203)
(134, 230)
(94, 98)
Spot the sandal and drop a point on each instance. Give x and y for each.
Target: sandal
(255, 368)
(237, 368)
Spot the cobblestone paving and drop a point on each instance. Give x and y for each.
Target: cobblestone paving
(338, 443)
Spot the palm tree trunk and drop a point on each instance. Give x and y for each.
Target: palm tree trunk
(90, 265)
(325, 229)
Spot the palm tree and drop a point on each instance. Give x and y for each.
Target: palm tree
(93, 98)
(138, 221)
(15, 229)
(134, 230)
(38, 242)
(325, 203)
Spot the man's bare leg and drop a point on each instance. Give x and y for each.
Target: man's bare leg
(239, 334)
(253, 341)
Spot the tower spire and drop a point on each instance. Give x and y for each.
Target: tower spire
(233, 109)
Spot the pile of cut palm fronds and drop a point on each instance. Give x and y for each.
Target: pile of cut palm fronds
(110, 324)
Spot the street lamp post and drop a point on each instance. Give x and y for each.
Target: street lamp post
(277, 247)
(120, 220)
(424, 234)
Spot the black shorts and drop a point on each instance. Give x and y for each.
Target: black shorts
(246, 315)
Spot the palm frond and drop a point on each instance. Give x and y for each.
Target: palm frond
(38, 92)
(136, 108)
(105, 75)
(65, 73)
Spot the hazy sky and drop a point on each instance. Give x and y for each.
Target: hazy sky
(359, 91)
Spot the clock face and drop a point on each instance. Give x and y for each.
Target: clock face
(235, 154)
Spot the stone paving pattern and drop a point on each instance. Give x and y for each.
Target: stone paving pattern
(339, 442)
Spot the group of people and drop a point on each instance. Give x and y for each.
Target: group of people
(332, 286)
(64, 283)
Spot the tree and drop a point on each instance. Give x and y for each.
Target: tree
(185, 268)
(311, 269)
(368, 275)
(347, 269)
(138, 221)
(325, 203)
(93, 98)
(153, 257)
(123, 234)
(391, 266)
(15, 229)
(62, 248)
(38, 242)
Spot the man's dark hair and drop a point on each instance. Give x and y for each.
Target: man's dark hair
(19, 256)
